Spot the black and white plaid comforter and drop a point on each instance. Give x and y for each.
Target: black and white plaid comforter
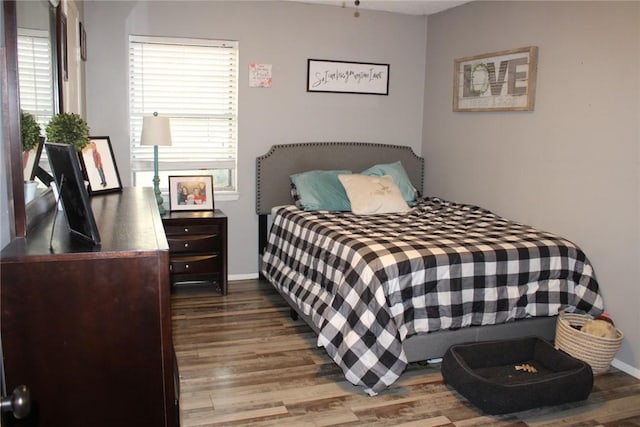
(368, 282)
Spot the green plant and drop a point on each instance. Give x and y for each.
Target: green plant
(68, 128)
(29, 130)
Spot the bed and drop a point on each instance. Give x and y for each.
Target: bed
(382, 291)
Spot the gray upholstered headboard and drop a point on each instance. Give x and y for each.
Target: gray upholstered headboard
(273, 168)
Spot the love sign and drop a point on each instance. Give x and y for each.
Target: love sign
(497, 81)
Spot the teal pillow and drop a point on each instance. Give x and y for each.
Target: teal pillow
(321, 190)
(399, 174)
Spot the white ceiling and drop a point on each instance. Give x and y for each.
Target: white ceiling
(408, 7)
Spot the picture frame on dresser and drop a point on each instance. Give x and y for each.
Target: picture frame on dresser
(31, 159)
(191, 193)
(99, 166)
(72, 191)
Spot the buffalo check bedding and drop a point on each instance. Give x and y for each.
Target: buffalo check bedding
(370, 281)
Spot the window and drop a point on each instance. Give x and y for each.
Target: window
(195, 83)
(35, 74)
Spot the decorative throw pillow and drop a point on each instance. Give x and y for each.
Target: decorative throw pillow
(373, 194)
(399, 174)
(295, 196)
(321, 190)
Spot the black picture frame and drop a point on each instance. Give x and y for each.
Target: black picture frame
(31, 160)
(83, 41)
(72, 192)
(99, 166)
(362, 78)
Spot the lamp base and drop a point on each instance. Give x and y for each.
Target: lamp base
(158, 193)
(156, 181)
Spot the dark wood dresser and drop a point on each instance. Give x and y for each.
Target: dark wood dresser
(197, 247)
(88, 328)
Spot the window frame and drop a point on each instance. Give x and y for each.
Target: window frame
(222, 127)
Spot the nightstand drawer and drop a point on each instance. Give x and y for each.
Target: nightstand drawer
(172, 230)
(194, 243)
(194, 264)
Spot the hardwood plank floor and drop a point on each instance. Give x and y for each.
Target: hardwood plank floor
(243, 361)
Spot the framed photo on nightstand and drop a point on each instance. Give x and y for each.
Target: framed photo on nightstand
(191, 193)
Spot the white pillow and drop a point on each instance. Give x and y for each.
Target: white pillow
(373, 194)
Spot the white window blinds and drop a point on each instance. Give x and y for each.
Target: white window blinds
(35, 74)
(195, 83)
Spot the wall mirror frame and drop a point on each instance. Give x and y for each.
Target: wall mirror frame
(25, 216)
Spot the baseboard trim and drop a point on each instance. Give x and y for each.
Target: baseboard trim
(249, 276)
(627, 369)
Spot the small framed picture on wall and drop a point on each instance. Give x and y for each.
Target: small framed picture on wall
(83, 42)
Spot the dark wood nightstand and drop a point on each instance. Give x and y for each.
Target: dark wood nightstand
(197, 247)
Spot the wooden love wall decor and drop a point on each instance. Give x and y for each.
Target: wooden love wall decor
(497, 81)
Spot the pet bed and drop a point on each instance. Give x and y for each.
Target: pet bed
(515, 375)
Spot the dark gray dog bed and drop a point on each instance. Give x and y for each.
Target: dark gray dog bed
(498, 376)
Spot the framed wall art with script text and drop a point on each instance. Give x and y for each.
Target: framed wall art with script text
(347, 77)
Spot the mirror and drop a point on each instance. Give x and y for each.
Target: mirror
(38, 68)
(22, 217)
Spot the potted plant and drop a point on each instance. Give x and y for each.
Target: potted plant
(30, 134)
(68, 128)
(30, 131)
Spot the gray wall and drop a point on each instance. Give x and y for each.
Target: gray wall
(285, 35)
(571, 166)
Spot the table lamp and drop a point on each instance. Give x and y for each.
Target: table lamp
(156, 131)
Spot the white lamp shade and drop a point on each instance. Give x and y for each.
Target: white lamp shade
(155, 131)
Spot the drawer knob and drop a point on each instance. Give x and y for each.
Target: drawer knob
(186, 266)
(186, 230)
(186, 245)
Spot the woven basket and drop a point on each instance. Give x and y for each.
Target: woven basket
(598, 352)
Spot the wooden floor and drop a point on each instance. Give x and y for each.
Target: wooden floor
(243, 361)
